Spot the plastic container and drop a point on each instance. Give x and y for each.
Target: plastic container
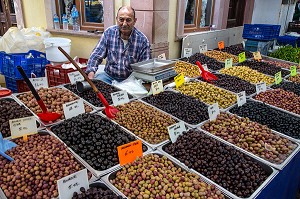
(16, 86)
(262, 32)
(52, 52)
(288, 40)
(65, 22)
(261, 46)
(75, 19)
(56, 22)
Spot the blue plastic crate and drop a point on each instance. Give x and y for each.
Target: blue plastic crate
(31, 62)
(262, 32)
(288, 40)
(2, 53)
(261, 46)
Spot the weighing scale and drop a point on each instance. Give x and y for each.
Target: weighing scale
(154, 69)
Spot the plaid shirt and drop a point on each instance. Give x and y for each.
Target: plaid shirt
(119, 57)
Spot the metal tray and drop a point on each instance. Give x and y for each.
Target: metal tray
(153, 65)
(12, 98)
(42, 122)
(267, 58)
(112, 175)
(96, 173)
(190, 125)
(277, 166)
(171, 87)
(271, 171)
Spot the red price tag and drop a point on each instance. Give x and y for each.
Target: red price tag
(221, 45)
(129, 152)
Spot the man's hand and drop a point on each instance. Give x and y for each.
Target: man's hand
(91, 75)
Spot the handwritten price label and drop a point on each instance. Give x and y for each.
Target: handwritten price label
(242, 57)
(22, 126)
(213, 111)
(278, 78)
(39, 82)
(157, 87)
(162, 56)
(179, 80)
(129, 152)
(176, 130)
(241, 98)
(187, 52)
(293, 70)
(257, 55)
(120, 97)
(72, 183)
(203, 48)
(74, 108)
(261, 87)
(221, 45)
(75, 77)
(228, 63)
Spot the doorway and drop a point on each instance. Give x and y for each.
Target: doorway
(236, 13)
(7, 15)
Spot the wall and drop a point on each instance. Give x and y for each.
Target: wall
(174, 46)
(34, 13)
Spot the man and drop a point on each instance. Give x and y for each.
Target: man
(121, 45)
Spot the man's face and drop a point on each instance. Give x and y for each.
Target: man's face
(126, 21)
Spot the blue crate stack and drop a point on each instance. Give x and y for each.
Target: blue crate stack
(288, 40)
(260, 37)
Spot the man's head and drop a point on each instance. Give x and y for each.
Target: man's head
(126, 20)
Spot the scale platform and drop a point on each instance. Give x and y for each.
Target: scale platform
(154, 69)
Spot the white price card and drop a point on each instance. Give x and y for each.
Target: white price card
(157, 87)
(120, 97)
(23, 126)
(74, 108)
(75, 77)
(72, 183)
(187, 52)
(213, 111)
(39, 82)
(241, 98)
(203, 48)
(261, 87)
(162, 56)
(176, 130)
(228, 63)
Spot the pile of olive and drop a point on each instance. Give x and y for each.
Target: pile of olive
(96, 192)
(265, 68)
(223, 164)
(234, 84)
(282, 64)
(251, 136)
(94, 138)
(144, 121)
(153, 176)
(187, 69)
(184, 107)
(212, 64)
(236, 50)
(10, 109)
(221, 56)
(288, 86)
(38, 164)
(248, 74)
(277, 120)
(280, 98)
(295, 78)
(208, 93)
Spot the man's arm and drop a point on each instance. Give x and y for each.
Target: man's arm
(145, 53)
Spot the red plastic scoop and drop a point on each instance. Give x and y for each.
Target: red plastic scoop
(207, 76)
(45, 115)
(110, 111)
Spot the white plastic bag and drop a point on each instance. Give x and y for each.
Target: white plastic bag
(132, 86)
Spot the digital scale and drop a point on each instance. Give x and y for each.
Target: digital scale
(154, 69)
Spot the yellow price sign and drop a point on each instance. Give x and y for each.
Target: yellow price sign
(179, 80)
(278, 78)
(293, 70)
(257, 55)
(242, 57)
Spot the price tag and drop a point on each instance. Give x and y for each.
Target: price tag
(179, 80)
(75, 77)
(162, 56)
(23, 126)
(203, 48)
(39, 82)
(221, 45)
(72, 183)
(257, 55)
(278, 78)
(241, 98)
(175, 130)
(261, 87)
(293, 70)
(120, 97)
(242, 57)
(213, 111)
(228, 63)
(129, 152)
(204, 67)
(157, 87)
(74, 108)
(187, 52)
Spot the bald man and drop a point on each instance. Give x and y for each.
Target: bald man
(121, 45)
